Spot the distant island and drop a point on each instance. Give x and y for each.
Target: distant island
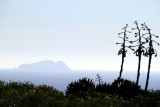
(46, 65)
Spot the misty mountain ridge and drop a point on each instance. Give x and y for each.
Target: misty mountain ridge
(46, 65)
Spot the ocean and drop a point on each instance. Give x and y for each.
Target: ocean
(60, 80)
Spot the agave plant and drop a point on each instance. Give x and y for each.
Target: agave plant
(123, 50)
(150, 51)
(125, 88)
(140, 47)
(81, 88)
(104, 88)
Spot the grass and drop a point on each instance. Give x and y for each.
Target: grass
(26, 94)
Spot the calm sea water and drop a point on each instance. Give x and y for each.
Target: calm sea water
(60, 80)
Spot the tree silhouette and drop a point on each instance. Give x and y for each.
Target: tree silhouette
(141, 49)
(123, 45)
(149, 51)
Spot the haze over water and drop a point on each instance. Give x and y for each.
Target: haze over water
(59, 75)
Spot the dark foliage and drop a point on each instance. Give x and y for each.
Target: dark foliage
(126, 88)
(85, 87)
(121, 87)
(26, 94)
(82, 88)
(45, 96)
(104, 88)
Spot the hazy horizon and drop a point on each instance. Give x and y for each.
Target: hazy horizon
(70, 68)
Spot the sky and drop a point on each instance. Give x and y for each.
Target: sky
(81, 33)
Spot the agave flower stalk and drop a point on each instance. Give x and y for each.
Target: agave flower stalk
(141, 49)
(150, 51)
(123, 50)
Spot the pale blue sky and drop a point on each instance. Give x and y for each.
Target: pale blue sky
(82, 33)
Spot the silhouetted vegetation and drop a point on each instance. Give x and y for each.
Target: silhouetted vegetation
(123, 45)
(26, 94)
(104, 88)
(82, 88)
(99, 79)
(120, 87)
(141, 48)
(126, 88)
(149, 51)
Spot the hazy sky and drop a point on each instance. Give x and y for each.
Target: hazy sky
(82, 33)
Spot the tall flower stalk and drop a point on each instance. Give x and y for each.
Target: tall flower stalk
(150, 51)
(123, 50)
(141, 49)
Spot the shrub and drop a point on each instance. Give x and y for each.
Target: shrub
(104, 88)
(27, 94)
(125, 88)
(82, 88)
(41, 96)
